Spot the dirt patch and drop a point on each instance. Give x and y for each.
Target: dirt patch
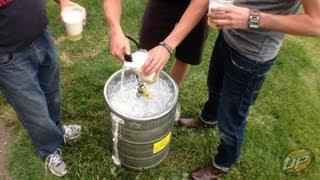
(59, 39)
(69, 57)
(5, 138)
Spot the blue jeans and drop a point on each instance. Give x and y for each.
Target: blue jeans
(30, 81)
(234, 82)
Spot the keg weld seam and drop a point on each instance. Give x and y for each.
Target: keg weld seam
(117, 121)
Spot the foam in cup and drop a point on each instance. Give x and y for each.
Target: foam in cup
(73, 18)
(217, 4)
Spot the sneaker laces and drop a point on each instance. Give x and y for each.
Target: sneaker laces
(67, 132)
(53, 159)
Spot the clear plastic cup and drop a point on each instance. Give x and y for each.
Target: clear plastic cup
(215, 4)
(138, 60)
(73, 18)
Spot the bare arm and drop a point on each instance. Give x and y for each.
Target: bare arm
(306, 24)
(193, 14)
(159, 56)
(112, 10)
(119, 44)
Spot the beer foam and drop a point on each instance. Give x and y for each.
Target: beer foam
(219, 3)
(72, 16)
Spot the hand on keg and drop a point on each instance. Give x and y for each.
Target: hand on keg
(233, 17)
(66, 3)
(158, 57)
(119, 45)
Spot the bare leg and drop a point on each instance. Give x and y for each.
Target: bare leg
(179, 71)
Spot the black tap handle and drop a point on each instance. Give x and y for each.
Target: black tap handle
(128, 57)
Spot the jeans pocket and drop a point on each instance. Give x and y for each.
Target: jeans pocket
(6, 59)
(240, 62)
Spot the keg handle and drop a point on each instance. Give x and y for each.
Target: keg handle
(177, 113)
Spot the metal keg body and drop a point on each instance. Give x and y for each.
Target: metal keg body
(141, 143)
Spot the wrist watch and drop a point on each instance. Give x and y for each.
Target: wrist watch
(167, 47)
(254, 19)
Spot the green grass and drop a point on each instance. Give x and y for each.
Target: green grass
(285, 117)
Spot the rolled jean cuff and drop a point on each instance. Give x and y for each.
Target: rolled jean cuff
(207, 121)
(44, 154)
(225, 169)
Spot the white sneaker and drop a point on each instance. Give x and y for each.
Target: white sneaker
(71, 132)
(56, 165)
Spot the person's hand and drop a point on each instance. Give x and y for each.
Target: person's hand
(119, 46)
(66, 3)
(158, 57)
(229, 17)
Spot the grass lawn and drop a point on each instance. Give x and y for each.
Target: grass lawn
(285, 117)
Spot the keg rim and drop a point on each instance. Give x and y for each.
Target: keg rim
(123, 116)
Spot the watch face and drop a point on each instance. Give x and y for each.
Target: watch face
(254, 19)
